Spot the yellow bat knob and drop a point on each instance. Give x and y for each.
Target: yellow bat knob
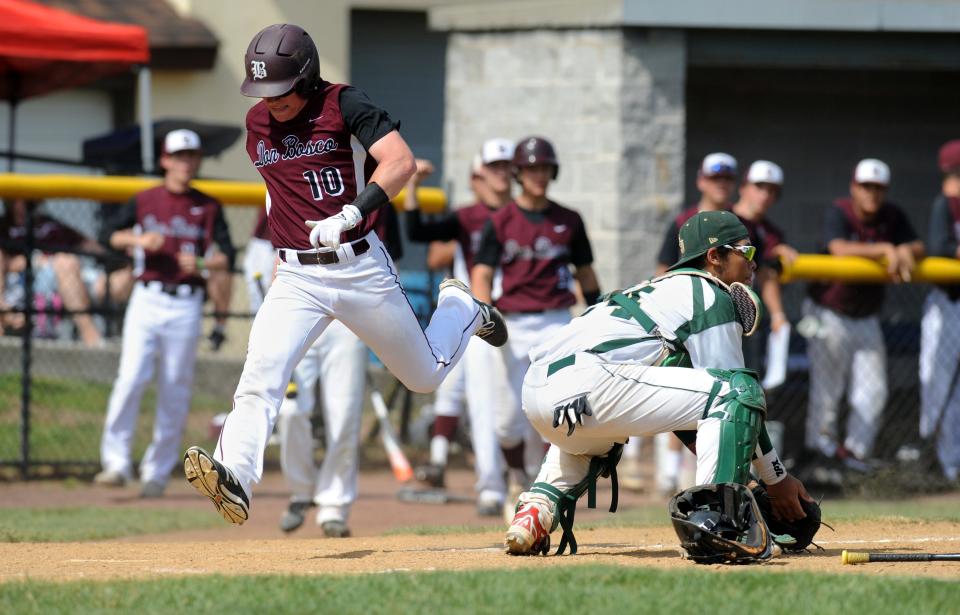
(848, 557)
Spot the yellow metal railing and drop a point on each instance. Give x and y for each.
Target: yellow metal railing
(120, 189)
(932, 269)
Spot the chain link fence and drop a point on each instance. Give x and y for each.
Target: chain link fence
(55, 377)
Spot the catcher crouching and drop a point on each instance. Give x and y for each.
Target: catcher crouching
(664, 355)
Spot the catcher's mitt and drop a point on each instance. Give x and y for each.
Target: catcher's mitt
(790, 535)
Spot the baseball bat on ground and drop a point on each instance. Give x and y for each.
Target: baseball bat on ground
(398, 461)
(852, 557)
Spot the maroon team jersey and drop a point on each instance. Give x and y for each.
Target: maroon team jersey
(186, 222)
(261, 230)
(536, 251)
(765, 236)
(888, 225)
(311, 165)
(472, 219)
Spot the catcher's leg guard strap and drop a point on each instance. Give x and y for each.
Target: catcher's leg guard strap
(567, 502)
(740, 413)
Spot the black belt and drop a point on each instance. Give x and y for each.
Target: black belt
(324, 258)
(170, 289)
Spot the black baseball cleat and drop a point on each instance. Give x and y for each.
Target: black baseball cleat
(492, 329)
(214, 480)
(431, 474)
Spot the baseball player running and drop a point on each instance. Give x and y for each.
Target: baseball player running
(940, 327)
(490, 182)
(534, 241)
(171, 230)
(331, 160)
(613, 373)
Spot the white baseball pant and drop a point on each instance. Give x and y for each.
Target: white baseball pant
(845, 354)
(364, 293)
(159, 331)
(338, 359)
(625, 400)
(939, 360)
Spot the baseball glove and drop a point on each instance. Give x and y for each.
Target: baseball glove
(790, 535)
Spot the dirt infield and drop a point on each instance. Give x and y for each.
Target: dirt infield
(260, 548)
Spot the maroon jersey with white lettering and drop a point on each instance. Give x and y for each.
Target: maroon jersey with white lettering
(312, 165)
(535, 251)
(472, 219)
(186, 222)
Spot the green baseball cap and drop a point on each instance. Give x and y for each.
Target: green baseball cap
(705, 230)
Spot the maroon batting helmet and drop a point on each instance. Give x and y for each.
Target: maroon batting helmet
(280, 58)
(532, 151)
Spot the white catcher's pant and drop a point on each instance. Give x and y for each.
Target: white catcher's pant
(845, 354)
(365, 294)
(939, 359)
(159, 331)
(626, 401)
(338, 359)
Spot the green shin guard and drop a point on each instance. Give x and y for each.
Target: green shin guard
(741, 413)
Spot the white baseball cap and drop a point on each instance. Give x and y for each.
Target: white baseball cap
(718, 164)
(181, 140)
(872, 171)
(765, 172)
(493, 150)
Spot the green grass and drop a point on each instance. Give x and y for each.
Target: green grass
(67, 415)
(593, 589)
(95, 523)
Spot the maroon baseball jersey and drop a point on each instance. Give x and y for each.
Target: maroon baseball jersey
(472, 219)
(261, 230)
(534, 251)
(888, 225)
(48, 235)
(190, 222)
(765, 236)
(317, 162)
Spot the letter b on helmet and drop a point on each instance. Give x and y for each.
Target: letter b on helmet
(533, 151)
(280, 58)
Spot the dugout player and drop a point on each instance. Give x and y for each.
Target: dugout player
(603, 378)
(846, 348)
(331, 160)
(172, 232)
(490, 179)
(940, 326)
(716, 181)
(760, 190)
(534, 241)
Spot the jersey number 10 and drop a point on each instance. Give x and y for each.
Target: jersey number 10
(327, 180)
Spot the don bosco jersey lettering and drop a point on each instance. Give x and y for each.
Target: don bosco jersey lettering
(188, 224)
(317, 162)
(535, 250)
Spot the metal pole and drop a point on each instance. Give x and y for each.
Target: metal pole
(27, 350)
(146, 121)
(11, 137)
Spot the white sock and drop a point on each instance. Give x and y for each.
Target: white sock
(439, 449)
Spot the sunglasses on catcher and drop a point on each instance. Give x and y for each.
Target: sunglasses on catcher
(748, 252)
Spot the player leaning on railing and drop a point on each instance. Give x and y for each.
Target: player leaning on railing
(664, 355)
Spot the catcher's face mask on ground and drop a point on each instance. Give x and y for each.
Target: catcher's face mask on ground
(720, 524)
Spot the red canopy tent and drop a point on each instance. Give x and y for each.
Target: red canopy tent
(44, 49)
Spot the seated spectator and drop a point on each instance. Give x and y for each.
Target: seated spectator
(58, 273)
